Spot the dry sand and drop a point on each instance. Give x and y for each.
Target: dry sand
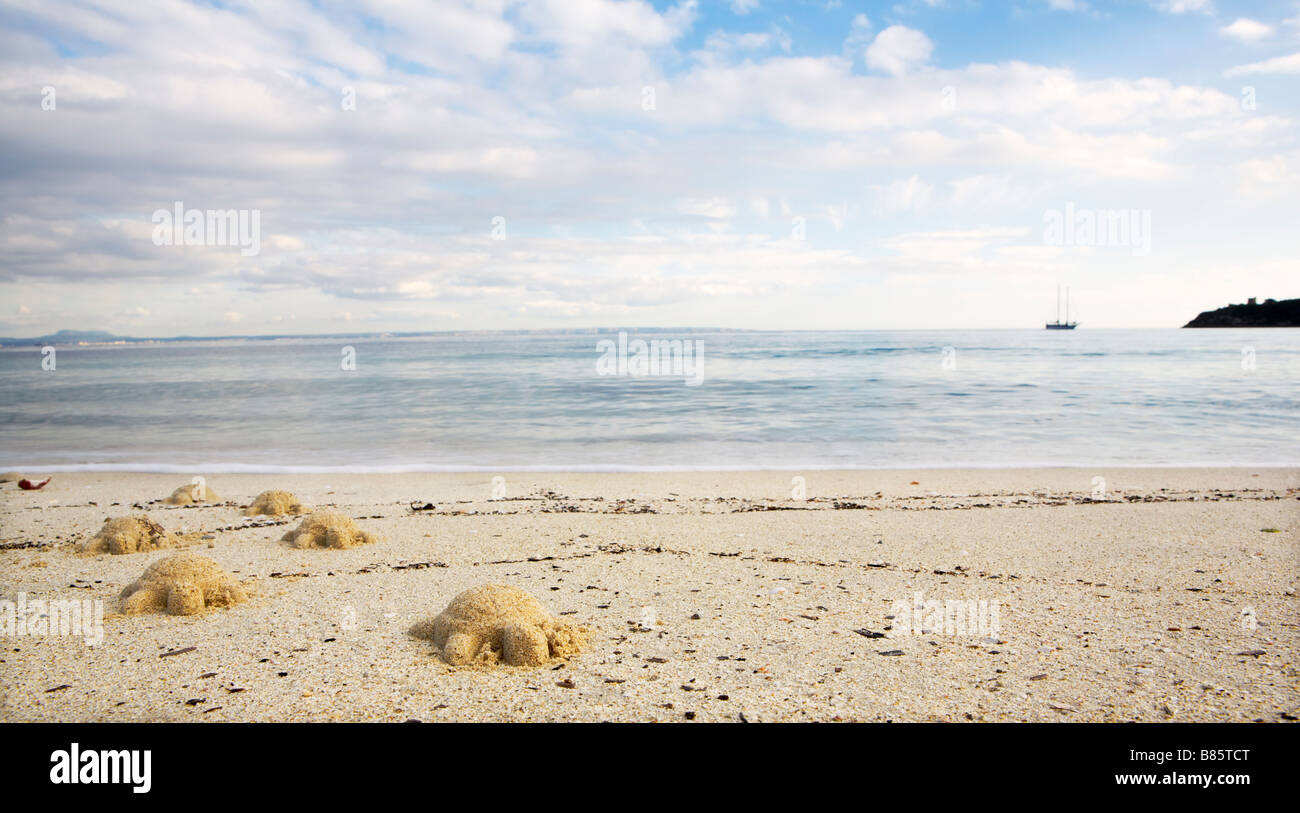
(713, 596)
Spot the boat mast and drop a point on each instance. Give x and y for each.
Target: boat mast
(1058, 303)
(1067, 304)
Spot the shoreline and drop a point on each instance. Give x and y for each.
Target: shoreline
(1126, 604)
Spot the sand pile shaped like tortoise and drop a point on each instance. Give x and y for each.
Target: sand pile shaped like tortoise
(182, 584)
(132, 534)
(190, 494)
(275, 503)
(496, 623)
(328, 529)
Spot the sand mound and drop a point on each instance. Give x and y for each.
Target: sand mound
(191, 494)
(10, 477)
(134, 534)
(183, 584)
(275, 503)
(495, 623)
(328, 529)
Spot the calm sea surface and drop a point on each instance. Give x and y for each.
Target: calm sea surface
(766, 400)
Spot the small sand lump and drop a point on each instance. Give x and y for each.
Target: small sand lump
(133, 534)
(496, 623)
(183, 584)
(190, 494)
(328, 529)
(275, 503)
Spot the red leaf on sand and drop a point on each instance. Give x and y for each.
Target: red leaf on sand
(28, 485)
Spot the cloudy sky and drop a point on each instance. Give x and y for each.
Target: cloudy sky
(467, 164)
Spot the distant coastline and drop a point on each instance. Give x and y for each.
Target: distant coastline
(1269, 313)
(103, 337)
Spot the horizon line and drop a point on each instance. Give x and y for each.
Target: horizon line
(113, 338)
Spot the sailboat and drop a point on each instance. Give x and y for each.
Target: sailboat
(1058, 324)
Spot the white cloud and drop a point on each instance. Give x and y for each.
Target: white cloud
(1282, 64)
(1185, 6)
(1247, 30)
(718, 208)
(859, 36)
(836, 215)
(1267, 178)
(724, 42)
(898, 49)
(587, 22)
(534, 113)
(955, 248)
(981, 191)
(904, 195)
(743, 7)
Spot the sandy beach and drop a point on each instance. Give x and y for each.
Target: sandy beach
(1162, 594)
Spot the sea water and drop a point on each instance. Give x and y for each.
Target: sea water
(763, 400)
